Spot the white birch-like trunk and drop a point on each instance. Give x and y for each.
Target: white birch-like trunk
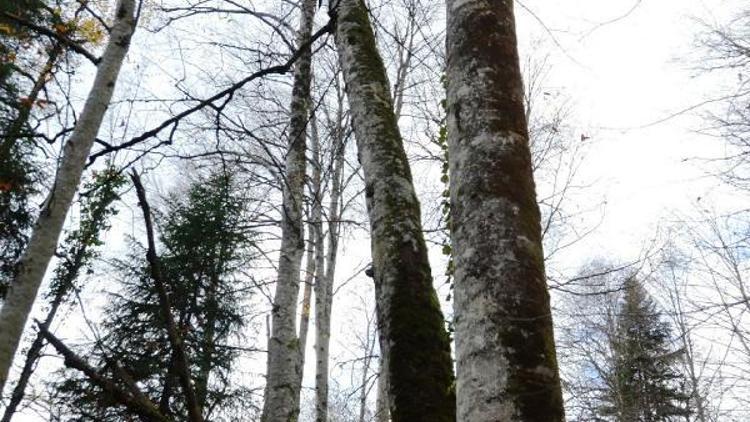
(324, 282)
(506, 366)
(314, 247)
(411, 322)
(304, 319)
(281, 401)
(41, 247)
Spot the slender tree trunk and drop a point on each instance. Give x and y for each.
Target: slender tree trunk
(322, 335)
(381, 400)
(324, 280)
(281, 403)
(369, 350)
(412, 324)
(304, 319)
(208, 347)
(41, 247)
(314, 248)
(505, 350)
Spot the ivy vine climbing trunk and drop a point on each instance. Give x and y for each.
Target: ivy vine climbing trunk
(41, 247)
(281, 402)
(413, 334)
(505, 352)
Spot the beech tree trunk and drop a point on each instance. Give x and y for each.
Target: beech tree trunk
(281, 402)
(41, 247)
(505, 350)
(414, 339)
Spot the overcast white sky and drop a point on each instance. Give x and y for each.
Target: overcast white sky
(628, 64)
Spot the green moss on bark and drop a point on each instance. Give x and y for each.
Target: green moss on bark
(412, 324)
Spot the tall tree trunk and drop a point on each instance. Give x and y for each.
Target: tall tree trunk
(314, 247)
(41, 247)
(322, 303)
(281, 403)
(412, 325)
(324, 280)
(505, 350)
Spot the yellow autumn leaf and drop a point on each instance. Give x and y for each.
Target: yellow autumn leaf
(91, 31)
(6, 29)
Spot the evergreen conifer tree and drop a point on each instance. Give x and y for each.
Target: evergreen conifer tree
(204, 245)
(643, 382)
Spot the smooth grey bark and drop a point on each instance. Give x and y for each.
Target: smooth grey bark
(505, 352)
(411, 322)
(324, 279)
(35, 260)
(281, 402)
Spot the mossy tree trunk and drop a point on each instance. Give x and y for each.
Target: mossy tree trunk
(281, 402)
(413, 336)
(506, 364)
(41, 247)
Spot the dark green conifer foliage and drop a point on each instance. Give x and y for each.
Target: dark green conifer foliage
(18, 174)
(18, 170)
(203, 247)
(643, 384)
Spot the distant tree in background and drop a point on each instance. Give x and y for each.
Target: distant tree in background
(643, 383)
(204, 248)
